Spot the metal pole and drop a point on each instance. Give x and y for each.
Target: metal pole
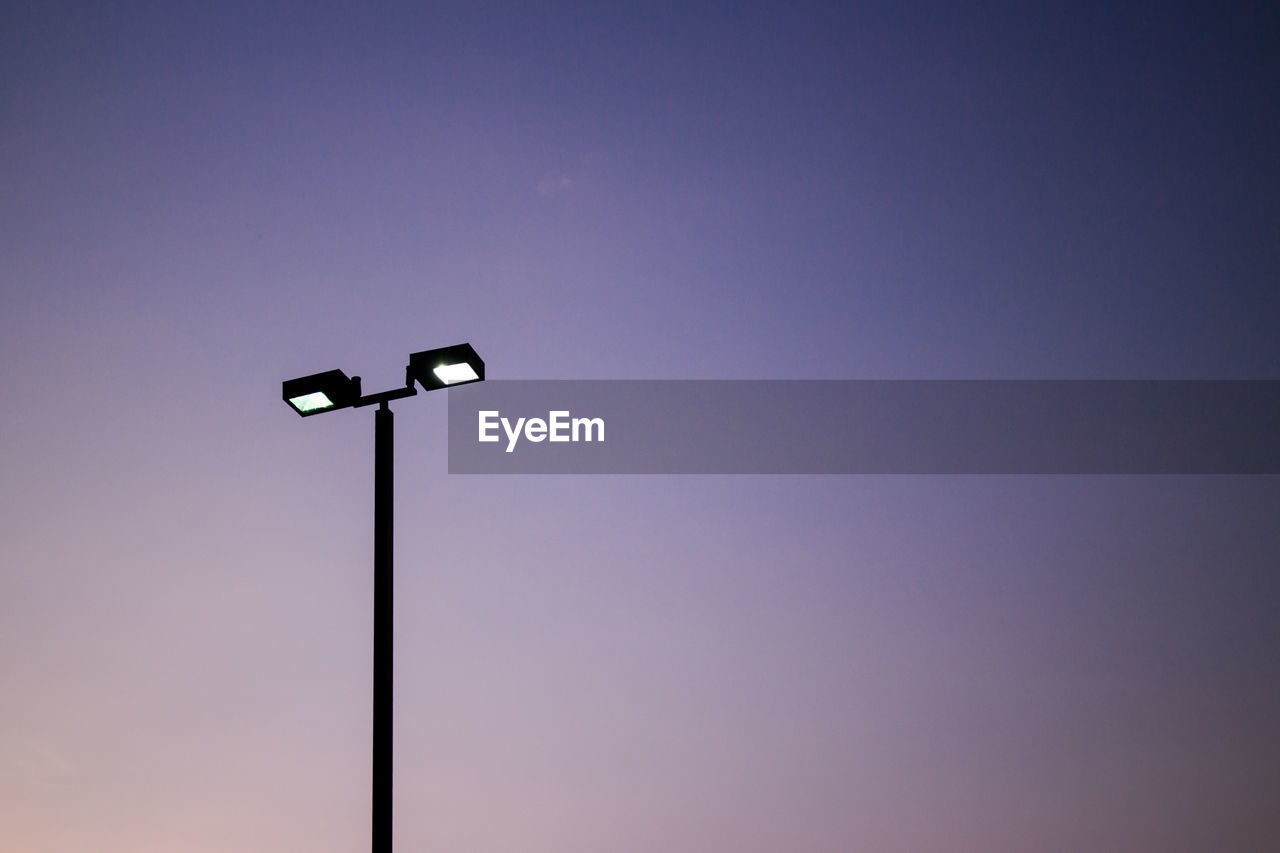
(383, 616)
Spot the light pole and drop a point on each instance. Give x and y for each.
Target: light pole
(332, 390)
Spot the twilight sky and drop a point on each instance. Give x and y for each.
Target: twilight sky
(200, 200)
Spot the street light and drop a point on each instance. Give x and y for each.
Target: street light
(332, 390)
(447, 366)
(321, 392)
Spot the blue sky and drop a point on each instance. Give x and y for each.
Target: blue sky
(198, 201)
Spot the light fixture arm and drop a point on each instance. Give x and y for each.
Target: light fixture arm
(386, 396)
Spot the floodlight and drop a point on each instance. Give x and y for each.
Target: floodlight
(321, 392)
(445, 367)
(313, 402)
(452, 374)
(324, 392)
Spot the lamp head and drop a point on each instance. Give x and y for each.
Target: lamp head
(446, 367)
(321, 392)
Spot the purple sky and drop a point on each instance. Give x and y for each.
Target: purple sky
(198, 201)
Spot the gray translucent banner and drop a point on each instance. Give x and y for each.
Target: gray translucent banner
(865, 427)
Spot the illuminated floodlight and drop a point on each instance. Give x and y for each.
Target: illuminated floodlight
(452, 374)
(325, 392)
(447, 366)
(313, 402)
(321, 392)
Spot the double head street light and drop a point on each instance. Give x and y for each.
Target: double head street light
(333, 390)
(432, 369)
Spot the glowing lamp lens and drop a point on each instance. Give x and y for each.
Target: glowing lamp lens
(311, 402)
(451, 373)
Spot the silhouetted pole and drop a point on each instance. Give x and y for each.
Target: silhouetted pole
(383, 620)
(330, 390)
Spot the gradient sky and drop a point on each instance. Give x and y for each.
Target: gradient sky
(200, 200)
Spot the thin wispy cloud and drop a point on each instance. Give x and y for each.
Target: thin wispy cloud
(548, 187)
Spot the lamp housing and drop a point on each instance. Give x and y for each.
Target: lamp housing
(446, 367)
(321, 392)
